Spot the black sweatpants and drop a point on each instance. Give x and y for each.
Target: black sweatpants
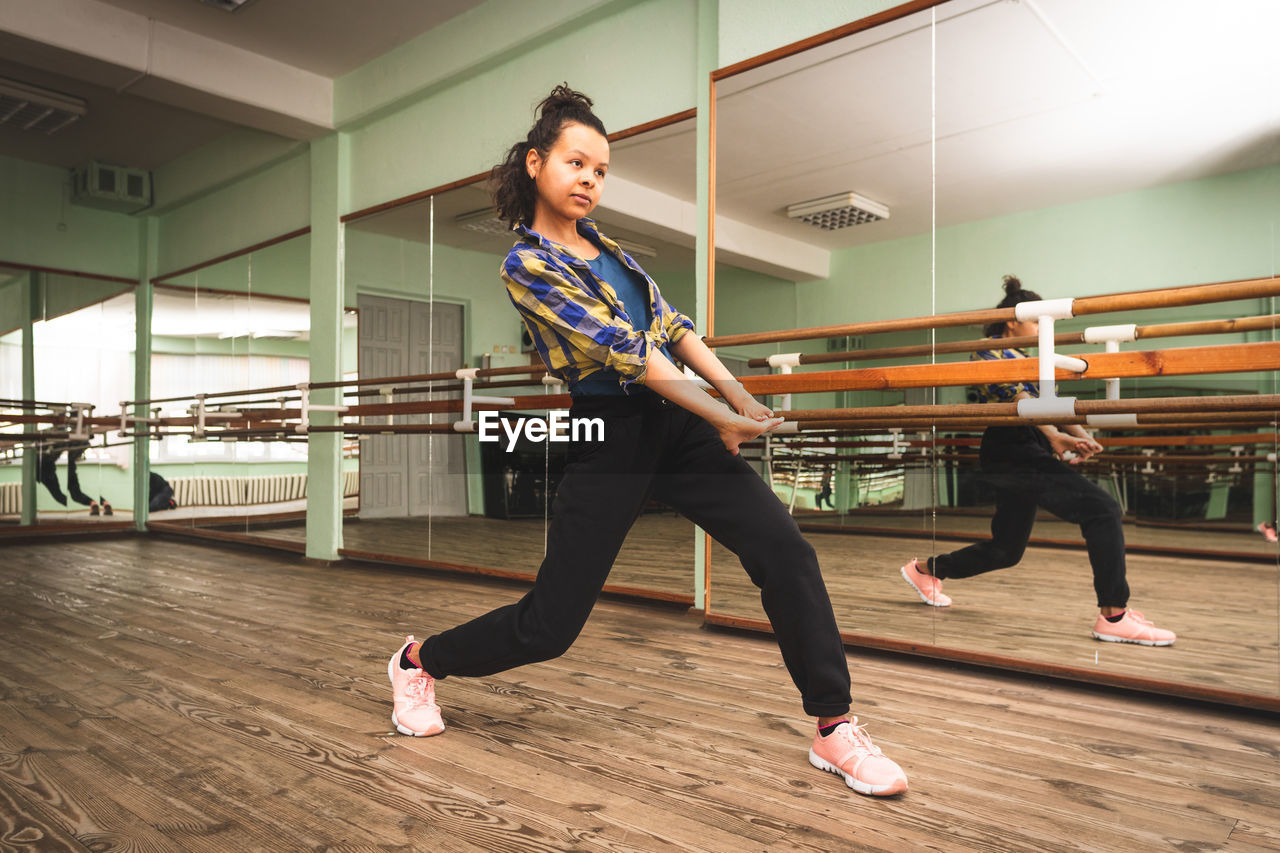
(653, 448)
(1019, 462)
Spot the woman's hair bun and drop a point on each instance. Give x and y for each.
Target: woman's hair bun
(563, 98)
(1012, 285)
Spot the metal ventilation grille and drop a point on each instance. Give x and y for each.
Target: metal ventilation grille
(27, 107)
(483, 221)
(833, 212)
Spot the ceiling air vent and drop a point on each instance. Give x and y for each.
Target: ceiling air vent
(27, 107)
(833, 212)
(483, 221)
(226, 5)
(109, 187)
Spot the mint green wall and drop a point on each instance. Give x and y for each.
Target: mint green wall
(257, 208)
(40, 226)
(637, 60)
(752, 27)
(282, 269)
(1215, 229)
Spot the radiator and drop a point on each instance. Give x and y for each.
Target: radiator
(216, 491)
(244, 491)
(11, 498)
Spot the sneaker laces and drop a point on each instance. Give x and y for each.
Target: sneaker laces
(1142, 620)
(420, 690)
(861, 741)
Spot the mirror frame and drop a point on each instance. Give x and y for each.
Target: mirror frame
(852, 640)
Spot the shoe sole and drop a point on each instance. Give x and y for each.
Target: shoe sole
(923, 597)
(410, 732)
(1107, 639)
(869, 790)
(391, 676)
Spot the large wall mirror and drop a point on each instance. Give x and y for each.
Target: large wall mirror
(78, 358)
(425, 271)
(1087, 148)
(236, 330)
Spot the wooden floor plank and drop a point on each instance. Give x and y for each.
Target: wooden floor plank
(221, 704)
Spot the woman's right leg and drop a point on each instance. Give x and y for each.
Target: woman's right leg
(1010, 530)
(603, 490)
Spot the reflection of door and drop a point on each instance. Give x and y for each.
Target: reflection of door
(437, 481)
(404, 475)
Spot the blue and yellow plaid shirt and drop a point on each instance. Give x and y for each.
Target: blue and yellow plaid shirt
(575, 318)
(1003, 392)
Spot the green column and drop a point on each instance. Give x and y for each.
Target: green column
(143, 298)
(330, 179)
(708, 61)
(30, 300)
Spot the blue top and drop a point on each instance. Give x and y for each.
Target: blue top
(633, 301)
(1003, 392)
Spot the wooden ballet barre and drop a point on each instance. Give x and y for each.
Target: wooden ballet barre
(1163, 330)
(1197, 294)
(1161, 405)
(378, 381)
(1184, 361)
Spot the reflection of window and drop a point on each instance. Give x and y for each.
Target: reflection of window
(177, 375)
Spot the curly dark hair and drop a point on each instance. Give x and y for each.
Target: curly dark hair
(1013, 294)
(514, 192)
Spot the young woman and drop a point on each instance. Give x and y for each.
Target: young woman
(1024, 464)
(601, 324)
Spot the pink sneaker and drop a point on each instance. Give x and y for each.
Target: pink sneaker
(1133, 628)
(1268, 531)
(926, 586)
(849, 752)
(413, 696)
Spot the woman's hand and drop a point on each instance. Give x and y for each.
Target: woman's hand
(1082, 446)
(735, 429)
(750, 407)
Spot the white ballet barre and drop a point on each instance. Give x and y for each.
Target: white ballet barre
(1111, 336)
(203, 414)
(895, 452)
(126, 418)
(1049, 405)
(468, 377)
(307, 407)
(1236, 451)
(78, 431)
(783, 362)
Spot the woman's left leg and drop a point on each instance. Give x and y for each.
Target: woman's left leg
(1071, 497)
(722, 494)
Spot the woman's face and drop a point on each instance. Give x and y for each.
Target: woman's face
(570, 178)
(1018, 329)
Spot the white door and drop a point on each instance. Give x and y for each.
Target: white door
(403, 475)
(437, 467)
(384, 347)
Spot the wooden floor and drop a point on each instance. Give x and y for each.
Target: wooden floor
(167, 696)
(1041, 610)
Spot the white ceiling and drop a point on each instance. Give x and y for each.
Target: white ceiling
(1038, 103)
(119, 128)
(145, 117)
(327, 37)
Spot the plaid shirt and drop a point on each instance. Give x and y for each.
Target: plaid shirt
(575, 318)
(1006, 392)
